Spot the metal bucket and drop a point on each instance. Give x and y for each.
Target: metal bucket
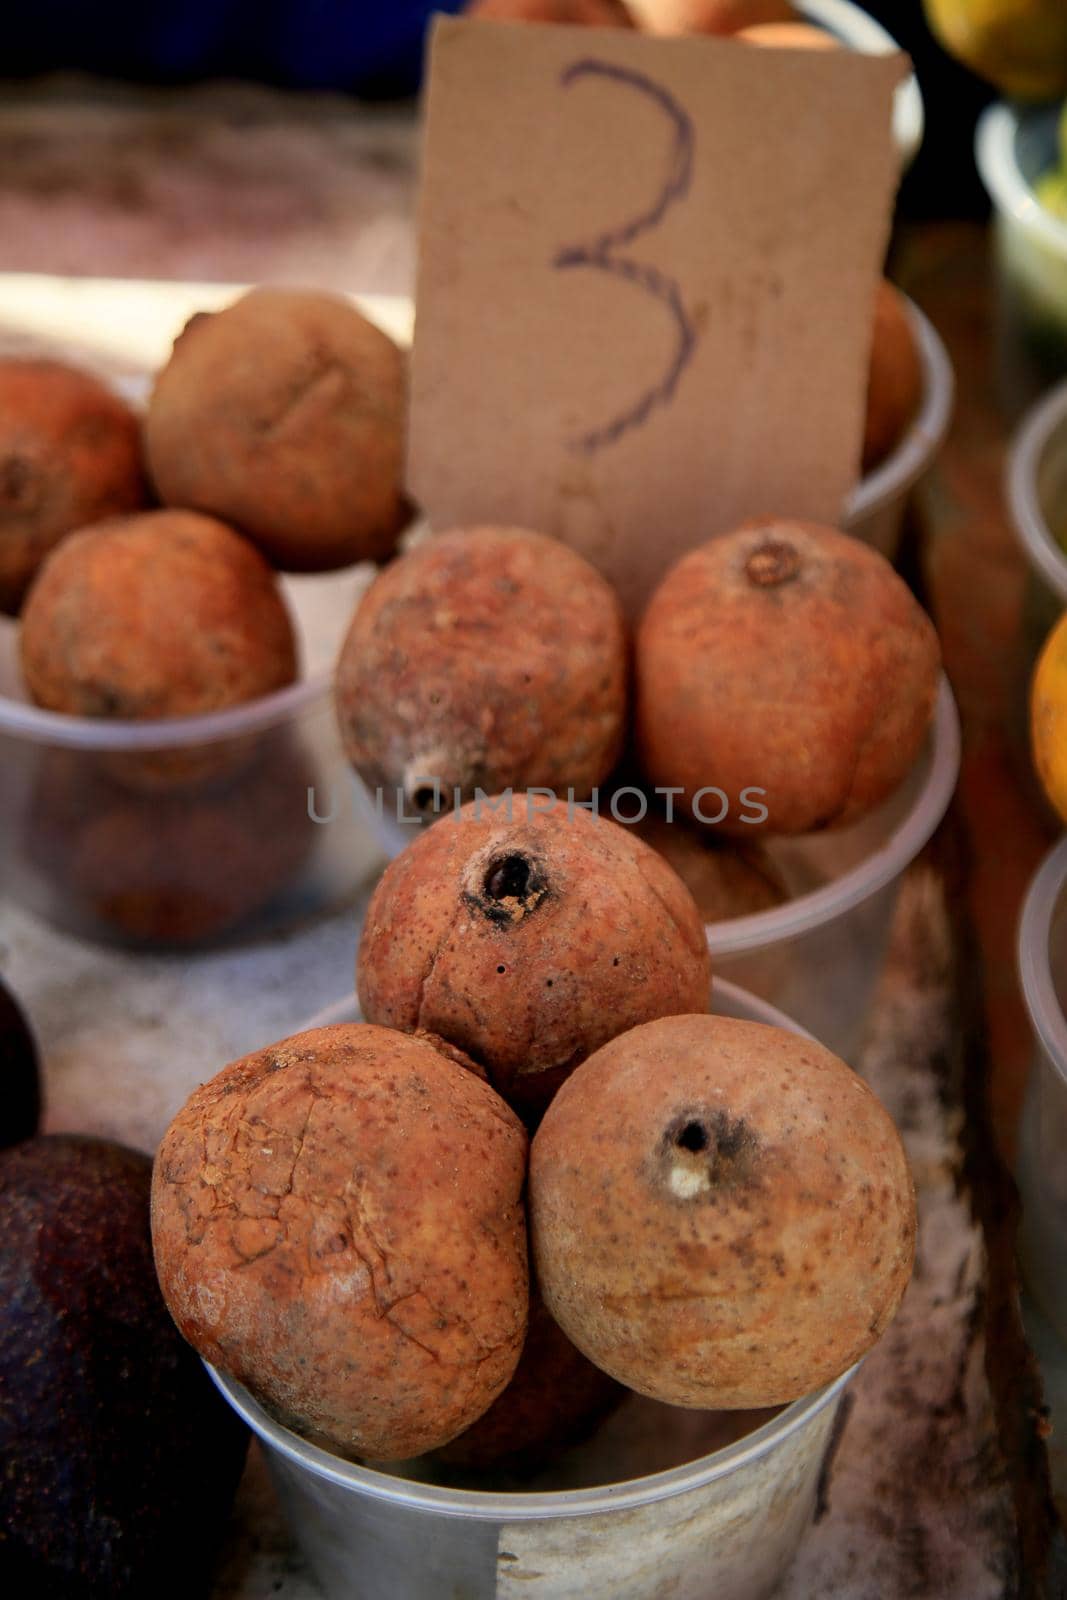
(660, 1502)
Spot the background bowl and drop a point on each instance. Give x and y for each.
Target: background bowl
(660, 1501)
(1041, 1169)
(1013, 147)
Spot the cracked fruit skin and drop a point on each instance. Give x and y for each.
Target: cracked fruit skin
(1018, 45)
(284, 414)
(491, 658)
(338, 1224)
(1048, 717)
(721, 1213)
(529, 943)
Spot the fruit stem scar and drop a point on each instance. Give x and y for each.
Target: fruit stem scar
(774, 562)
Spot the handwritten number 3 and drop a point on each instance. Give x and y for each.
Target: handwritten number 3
(603, 252)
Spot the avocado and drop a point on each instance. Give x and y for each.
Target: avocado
(120, 1459)
(20, 1093)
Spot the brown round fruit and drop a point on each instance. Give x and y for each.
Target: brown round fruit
(486, 658)
(786, 679)
(338, 1224)
(167, 614)
(714, 16)
(597, 13)
(789, 36)
(721, 1213)
(70, 454)
(555, 1398)
(529, 943)
(895, 388)
(284, 414)
(725, 880)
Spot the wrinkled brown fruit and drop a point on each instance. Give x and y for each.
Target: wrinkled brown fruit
(166, 614)
(529, 943)
(555, 1397)
(721, 1213)
(338, 1224)
(895, 387)
(488, 658)
(789, 667)
(70, 455)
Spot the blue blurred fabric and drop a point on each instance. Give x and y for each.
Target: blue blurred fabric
(353, 45)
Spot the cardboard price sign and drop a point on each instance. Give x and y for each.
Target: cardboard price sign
(645, 284)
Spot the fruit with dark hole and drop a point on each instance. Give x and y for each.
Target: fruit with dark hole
(284, 414)
(120, 1457)
(20, 1106)
(721, 1213)
(555, 1398)
(338, 1224)
(787, 667)
(486, 658)
(70, 454)
(895, 387)
(529, 942)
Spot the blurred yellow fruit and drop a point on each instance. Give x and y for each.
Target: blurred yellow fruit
(1019, 45)
(1048, 717)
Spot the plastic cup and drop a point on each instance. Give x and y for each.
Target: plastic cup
(1013, 148)
(874, 511)
(660, 1501)
(1041, 1168)
(854, 27)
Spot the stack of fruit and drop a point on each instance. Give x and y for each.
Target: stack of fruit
(720, 1214)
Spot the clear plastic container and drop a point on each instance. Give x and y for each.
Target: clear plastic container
(1042, 1158)
(1013, 147)
(660, 1501)
(183, 832)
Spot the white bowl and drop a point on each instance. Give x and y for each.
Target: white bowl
(1013, 147)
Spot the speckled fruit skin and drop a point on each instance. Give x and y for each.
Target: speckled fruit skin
(488, 658)
(725, 880)
(166, 614)
(895, 386)
(338, 1224)
(70, 454)
(284, 414)
(789, 658)
(721, 1213)
(529, 943)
